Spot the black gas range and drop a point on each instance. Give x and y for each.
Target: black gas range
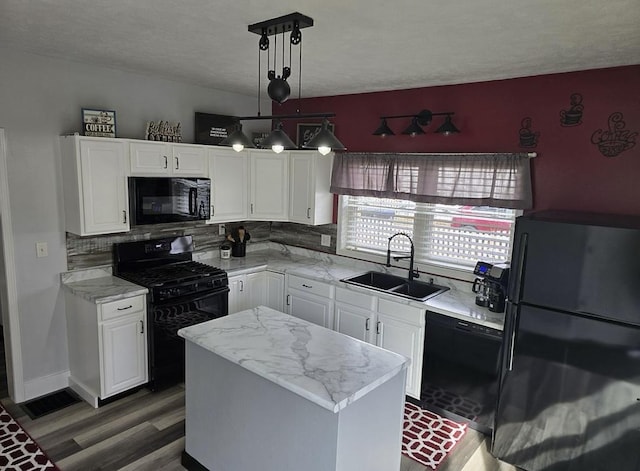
(181, 293)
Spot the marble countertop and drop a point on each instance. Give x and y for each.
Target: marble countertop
(456, 302)
(99, 286)
(324, 366)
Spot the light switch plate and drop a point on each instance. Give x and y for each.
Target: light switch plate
(222, 229)
(42, 249)
(325, 240)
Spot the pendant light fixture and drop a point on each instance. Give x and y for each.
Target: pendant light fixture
(237, 139)
(383, 130)
(278, 139)
(279, 89)
(447, 127)
(324, 141)
(418, 121)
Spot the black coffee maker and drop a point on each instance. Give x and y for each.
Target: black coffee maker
(491, 285)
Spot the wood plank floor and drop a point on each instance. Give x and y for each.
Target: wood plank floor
(145, 431)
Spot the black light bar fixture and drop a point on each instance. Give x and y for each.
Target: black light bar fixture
(279, 90)
(418, 121)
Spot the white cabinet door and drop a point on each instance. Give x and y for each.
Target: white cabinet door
(150, 158)
(354, 321)
(189, 160)
(405, 339)
(104, 191)
(309, 307)
(229, 173)
(269, 186)
(236, 293)
(275, 291)
(256, 289)
(302, 187)
(124, 354)
(310, 201)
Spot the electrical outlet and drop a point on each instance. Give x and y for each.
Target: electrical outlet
(325, 240)
(42, 249)
(222, 229)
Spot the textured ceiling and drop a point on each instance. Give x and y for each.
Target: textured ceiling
(355, 45)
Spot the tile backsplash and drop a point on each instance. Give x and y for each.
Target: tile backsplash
(96, 251)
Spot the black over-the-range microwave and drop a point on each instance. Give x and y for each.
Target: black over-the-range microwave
(156, 200)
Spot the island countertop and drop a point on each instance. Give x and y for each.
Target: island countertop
(323, 366)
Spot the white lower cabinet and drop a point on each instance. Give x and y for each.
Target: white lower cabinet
(310, 300)
(400, 328)
(275, 291)
(256, 289)
(123, 353)
(107, 346)
(355, 314)
(393, 326)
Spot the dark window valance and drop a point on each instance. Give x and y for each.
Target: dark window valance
(500, 180)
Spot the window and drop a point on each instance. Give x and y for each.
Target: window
(446, 235)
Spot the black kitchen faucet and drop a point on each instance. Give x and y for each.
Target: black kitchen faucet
(412, 274)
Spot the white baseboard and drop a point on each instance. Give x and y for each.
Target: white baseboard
(45, 384)
(84, 392)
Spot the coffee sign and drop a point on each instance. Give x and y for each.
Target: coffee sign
(98, 123)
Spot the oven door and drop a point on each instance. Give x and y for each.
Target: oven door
(162, 200)
(166, 348)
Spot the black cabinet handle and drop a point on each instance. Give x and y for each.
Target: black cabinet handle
(142, 327)
(124, 217)
(125, 308)
(306, 286)
(166, 162)
(367, 324)
(177, 163)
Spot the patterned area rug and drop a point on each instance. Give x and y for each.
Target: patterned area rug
(427, 437)
(18, 451)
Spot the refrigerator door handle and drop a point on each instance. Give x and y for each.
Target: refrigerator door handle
(516, 288)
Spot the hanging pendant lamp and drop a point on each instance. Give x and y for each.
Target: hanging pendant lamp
(325, 141)
(447, 127)
(383, 130)
(237, 140)
(278, 140)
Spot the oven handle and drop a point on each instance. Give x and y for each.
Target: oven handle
(194, 298)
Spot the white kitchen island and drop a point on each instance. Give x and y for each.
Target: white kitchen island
(267, 391)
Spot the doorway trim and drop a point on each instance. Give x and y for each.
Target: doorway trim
(11, 320)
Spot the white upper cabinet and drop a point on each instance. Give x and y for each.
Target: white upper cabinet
(229, 173)
(189, 160)
(150, 159)
(269, 186)
(95, 185)
(310, 201)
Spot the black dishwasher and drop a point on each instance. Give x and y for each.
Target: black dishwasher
(460, 370)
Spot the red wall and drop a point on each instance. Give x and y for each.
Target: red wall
(569, 172)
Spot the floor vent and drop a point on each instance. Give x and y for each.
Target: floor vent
(51, 403)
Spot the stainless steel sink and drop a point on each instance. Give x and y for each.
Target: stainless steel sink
(397, 285)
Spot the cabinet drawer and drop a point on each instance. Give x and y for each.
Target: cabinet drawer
(363, 300)
(121, 307)
(402, 312)
(315, 287)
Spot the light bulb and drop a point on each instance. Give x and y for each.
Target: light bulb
(277, 148)
(324, 150)
(238, 147)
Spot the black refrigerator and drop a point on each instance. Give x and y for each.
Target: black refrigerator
(569, 394)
